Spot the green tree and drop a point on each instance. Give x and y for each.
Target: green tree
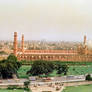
(41, 67)
(62, 69)
(88, 77)
(9, 67)
(11, 57)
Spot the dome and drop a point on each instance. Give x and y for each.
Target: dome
(89, 44)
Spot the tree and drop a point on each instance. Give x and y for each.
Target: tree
(9, 67)
(11, 57)
(41, 67)
(88, 77)
(62, 69)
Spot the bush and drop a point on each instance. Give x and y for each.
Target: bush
(27, 89)
(13, 87)
(26, 84)
(17, 87)
(88, 77)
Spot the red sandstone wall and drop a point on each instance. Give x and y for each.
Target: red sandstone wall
(50, 51)
(55, 57)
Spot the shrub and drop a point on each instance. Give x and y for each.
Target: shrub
(88, 77)
(13, 87)
(26, 84)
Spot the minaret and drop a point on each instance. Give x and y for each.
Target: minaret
(85, 38)
(15, 43)
(22, 43)
(85, 45)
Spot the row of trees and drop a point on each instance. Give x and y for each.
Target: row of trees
(45, 67)
(9, 67)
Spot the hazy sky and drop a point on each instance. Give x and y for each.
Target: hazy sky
(46, 19)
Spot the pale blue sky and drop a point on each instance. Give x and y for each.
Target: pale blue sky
(46, 19)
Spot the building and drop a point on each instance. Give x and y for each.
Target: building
(81, 54)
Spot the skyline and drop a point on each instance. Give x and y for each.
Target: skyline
(56, 20)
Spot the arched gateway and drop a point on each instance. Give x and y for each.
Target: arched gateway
(52, 55)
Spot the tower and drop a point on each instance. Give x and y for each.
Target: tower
(15, 43)
(85, 38)
(22, 43)
(85, 45)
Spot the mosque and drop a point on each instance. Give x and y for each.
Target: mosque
(81, 54)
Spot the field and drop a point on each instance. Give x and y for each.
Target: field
(83, 88)
(73, 70)
(17, 90)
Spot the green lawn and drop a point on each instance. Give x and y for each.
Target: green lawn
(83, 88)
(22, 71)
(17, 90)
(79, 70)
(73, 70)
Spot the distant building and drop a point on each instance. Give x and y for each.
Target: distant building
(81, 54)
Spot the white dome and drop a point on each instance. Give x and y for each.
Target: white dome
(89, 44)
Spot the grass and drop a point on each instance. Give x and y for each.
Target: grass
(79, 70)
(22, 71)
(83, 88)
(73, 70)
(16, 90)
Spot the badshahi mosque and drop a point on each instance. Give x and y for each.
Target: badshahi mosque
(82, 53)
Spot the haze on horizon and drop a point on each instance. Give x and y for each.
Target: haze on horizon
(54, 20)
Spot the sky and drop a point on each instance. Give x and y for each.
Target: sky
(55, 20)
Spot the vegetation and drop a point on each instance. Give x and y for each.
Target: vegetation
(16, 87)
(88, 77)
(46, 67)
(62, 69)
(22, 71)
(13, 87)
(82, 88)
(72, 70)
(9, 67)
(41, 67)
(14, 90)
(26, 85)
(24, 62)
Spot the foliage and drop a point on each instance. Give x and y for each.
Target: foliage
(11, 87)
(14, 90)
(9, 67)
(26, 84)
(41, 67)
(46, 67)
(62, 69)
(12, 58)
(88, 77)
